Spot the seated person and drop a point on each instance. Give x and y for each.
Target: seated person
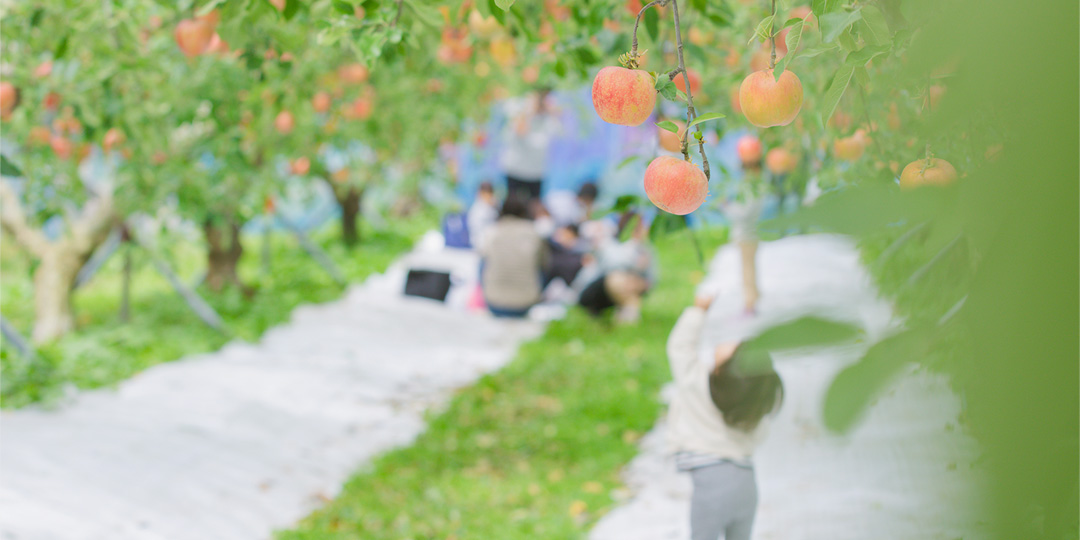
(513, 257)
(623, 272)
(564, 259)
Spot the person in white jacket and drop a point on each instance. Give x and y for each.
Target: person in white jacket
(717, 418)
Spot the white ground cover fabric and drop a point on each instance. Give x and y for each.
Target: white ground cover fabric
(248, 439)
(900, 474)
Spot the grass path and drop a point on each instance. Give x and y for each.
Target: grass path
(535, 449)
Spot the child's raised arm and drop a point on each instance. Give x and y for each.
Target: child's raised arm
(685, 338)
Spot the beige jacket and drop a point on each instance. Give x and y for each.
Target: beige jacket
(514, 255)
(694, 422)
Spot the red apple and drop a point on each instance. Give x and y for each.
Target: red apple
(767, 102)
(918, 173)
(849, 148)
(39, 135)
(113, 138)
(321, 102)
(749, 149)
(354, 73)
(9, 98)
(780, 161)
(61, 146)
(284, 122)
(675, 185)
(695, 81)
(193, 36)
(623, 96)
(300, 166)
(43, 70)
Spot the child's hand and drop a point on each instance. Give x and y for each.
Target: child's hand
(703, 302)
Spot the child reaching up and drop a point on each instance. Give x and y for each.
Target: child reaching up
(716, 420)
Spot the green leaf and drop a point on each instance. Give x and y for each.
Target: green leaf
(763, 31)
(668, 125)
(873, 28)
(807, 331)
(847, 41)
(625, 202)
(586, 55)
(720, 13)
(705, 118)
(834, 23)
(627, 161)
(856, 385)
(792, 22)
(862, 76)
(291, 7)
(524, 25)
(667, 88)
(560, 67)
(836, 90)
(664, 224)
(35, 19)
(819, 50)
(794, 37)
(208, 7)
(426, 14)
(821, 7)
(504, 4)
(652, 24)
(344, 7)
(499, 14)
(860, 57)
(61, 48)
(7, 168)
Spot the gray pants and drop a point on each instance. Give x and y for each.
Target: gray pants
(724, 502)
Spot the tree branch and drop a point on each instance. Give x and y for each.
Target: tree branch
(772, 38)
(637, 22)
(93, 224)
(691, 113)
(397, 17)
(13, 220)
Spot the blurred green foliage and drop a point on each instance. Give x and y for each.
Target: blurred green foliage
(985, 271)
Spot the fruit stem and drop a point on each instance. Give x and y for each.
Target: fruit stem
(772, 38)
(929, 159)
(632, 64)
(869, 125)
(397, 17)
(691, 113)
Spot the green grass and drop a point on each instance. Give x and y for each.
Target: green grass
(103, 350)
(534, 450)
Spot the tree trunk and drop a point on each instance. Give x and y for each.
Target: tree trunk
(125, 283)
(350, 212)
(54, 279)
(59, 261)
(125, 287)
(223, 255)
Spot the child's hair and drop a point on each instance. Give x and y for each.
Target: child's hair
(486, 187)
(745, 389)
